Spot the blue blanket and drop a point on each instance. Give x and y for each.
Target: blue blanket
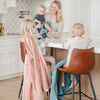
(56, 85)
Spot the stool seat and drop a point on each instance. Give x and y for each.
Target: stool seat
(82, 61)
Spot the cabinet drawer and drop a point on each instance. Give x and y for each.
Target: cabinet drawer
(8, 65)
(8, 70)
(8, 42)
(8, 50)
(6, 60)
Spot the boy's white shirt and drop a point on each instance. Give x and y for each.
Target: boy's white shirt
(76, 42)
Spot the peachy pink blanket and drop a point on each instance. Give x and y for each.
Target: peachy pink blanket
(36, 80)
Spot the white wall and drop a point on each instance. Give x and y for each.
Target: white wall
(95, 18)
(76, 11)
(83, 11)
(66, 14)
(80, 12)
(11, 20)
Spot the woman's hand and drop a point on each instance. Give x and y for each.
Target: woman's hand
(43, 31)
(47, 41)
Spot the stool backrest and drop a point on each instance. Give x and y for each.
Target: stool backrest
(82, 61)
(23, 51)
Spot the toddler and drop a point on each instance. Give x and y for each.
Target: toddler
(79, 42)
(39, 20)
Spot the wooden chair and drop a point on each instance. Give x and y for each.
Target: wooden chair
(23, 53)
(82, 62)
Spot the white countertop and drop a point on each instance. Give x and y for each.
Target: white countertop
(57, 43)
(9, 36)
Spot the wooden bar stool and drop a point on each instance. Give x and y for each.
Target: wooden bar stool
(82, 62)
(23, 53)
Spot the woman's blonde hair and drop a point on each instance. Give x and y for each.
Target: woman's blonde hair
(26, 27)
(59, 16)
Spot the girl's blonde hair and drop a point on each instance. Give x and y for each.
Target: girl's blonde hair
(26, 27)
(59, 16)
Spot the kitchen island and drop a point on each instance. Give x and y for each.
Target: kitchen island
(60, 53)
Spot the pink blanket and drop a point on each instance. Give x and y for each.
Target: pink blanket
(36, 80)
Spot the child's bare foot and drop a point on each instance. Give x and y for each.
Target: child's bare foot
(72, 85)
(62, 84)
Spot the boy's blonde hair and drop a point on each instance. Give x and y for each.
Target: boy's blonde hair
(79, 24)
(59, 10)
(42, 6)
(81, 31)
(26, 27)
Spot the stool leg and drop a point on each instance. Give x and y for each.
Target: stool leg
(73, 88)
(21, 97)
(79, 87)
(20, 87)
(92, 86)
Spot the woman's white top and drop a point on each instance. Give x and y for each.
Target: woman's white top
(57, 27)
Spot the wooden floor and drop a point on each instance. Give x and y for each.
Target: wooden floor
(9, 89)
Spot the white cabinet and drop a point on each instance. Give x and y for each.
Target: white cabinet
(10, 60)
(5, 4)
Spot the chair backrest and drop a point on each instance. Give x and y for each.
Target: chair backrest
(82, 61)
(23, 51)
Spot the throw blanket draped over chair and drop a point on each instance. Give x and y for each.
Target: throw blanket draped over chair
(36, 80)
(56, 88)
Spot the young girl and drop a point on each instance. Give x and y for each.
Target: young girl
(36, 80)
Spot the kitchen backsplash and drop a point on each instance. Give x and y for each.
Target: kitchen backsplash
(11, 20)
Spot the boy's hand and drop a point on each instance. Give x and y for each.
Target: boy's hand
(64, 43)
(39, 22)
(90, 40)
(73, 34)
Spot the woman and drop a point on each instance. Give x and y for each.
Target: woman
(55, 17)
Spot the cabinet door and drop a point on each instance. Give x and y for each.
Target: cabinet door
(10, 60)
(2, 6)
(10, 3)
(8, 65)
(5, 4)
